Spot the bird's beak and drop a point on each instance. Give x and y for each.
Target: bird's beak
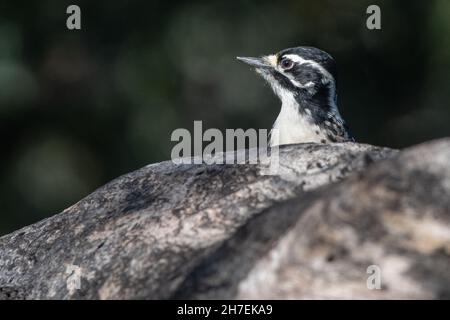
(261, 62)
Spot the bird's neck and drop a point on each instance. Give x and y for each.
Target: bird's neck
(296, 123)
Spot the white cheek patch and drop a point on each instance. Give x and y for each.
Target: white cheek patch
(307, 85)
(279, 90)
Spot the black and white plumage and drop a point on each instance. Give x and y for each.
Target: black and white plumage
(304, 78)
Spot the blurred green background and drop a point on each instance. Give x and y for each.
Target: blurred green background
(79, 108)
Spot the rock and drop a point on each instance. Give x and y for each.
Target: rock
(228, 231)
(393, 218)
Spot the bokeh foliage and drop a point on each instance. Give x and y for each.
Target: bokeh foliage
(79, 108)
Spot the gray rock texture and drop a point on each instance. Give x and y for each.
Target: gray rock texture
(229, 231)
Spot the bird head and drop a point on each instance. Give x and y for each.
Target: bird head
(305, 73)
(304, 78)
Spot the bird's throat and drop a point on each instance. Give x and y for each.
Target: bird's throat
(295, 124)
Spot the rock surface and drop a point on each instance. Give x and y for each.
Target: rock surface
(228, 231)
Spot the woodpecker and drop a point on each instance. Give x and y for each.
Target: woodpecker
(304, 78)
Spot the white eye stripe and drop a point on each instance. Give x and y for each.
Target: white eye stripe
(327, 78)
(295, 58)
(296, 83)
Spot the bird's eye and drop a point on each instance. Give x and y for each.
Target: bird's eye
(286, 64)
